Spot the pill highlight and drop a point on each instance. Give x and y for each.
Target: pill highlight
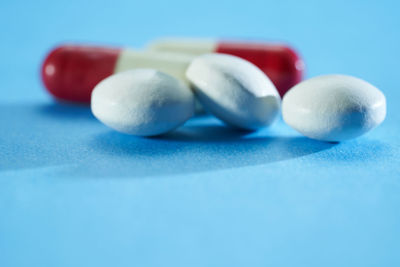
(281, 63)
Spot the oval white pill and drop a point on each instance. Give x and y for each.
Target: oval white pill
(234, 90)
(143, 102)
(333, 107)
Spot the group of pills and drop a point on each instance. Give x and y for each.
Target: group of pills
(152, 93)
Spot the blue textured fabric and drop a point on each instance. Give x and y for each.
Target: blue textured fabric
(75, 193)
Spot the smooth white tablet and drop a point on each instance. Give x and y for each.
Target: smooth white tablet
(234, 90)
(334, 107)
(143, 102)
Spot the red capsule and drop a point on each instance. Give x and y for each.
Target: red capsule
(71, 72)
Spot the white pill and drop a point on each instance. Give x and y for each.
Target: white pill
(234, 90)
(143, 102)
(333, 107)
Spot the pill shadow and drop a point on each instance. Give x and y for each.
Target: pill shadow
(60, 134)
(195, 148)
(206, 133)
(67, 136)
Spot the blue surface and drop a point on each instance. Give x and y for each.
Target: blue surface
(74, 193)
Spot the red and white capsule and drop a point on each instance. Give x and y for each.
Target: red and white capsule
(281, 63)
(70, 72)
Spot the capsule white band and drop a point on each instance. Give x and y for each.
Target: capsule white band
(183, 45)
(172, 63)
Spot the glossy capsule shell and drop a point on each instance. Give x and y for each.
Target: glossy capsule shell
(280, 62)
(70, 72)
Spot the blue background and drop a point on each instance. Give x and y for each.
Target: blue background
(75, 193)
